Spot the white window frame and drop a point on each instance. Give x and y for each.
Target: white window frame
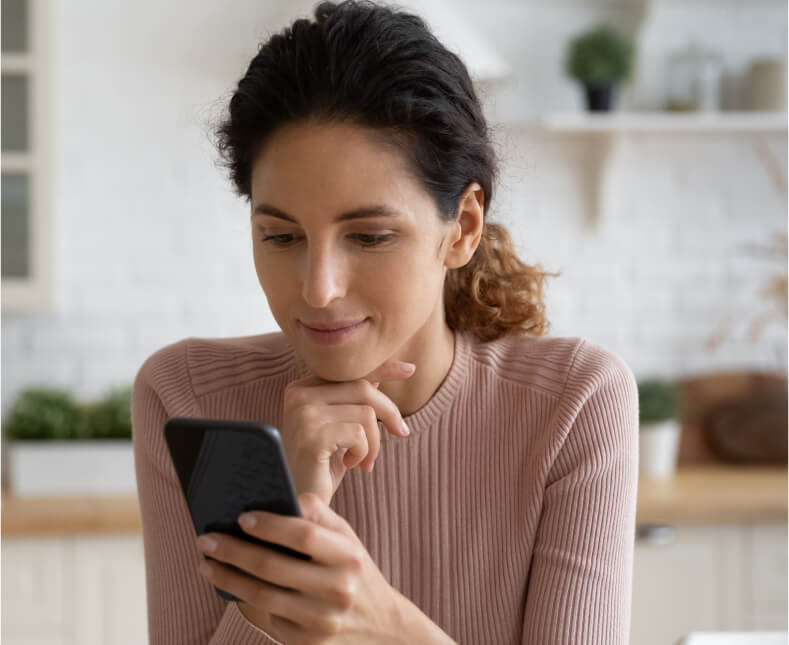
(35, 292)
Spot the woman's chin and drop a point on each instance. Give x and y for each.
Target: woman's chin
(345, 371)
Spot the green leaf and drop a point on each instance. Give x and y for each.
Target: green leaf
(658, 400)
(41, 413)
(107, 419)
(599, 56)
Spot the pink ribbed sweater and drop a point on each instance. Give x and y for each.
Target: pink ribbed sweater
(507, 516)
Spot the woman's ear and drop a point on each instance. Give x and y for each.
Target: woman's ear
(467, 227)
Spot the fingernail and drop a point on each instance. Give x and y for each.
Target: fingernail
(405, 429)
(407, 367)
(206, 543)
(247, 520)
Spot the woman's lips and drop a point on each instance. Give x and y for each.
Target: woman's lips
(333, 336)
(332, 326)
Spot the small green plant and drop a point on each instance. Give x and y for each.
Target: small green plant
(41, 413)
(600, 56)
(109, 418)
(658, 400)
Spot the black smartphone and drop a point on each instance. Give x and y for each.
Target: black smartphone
(226, 468)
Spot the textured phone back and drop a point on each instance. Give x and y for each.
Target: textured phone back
(233, 474)
(226, 468)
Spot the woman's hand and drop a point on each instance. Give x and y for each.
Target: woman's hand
(340, 596)
(330, 427)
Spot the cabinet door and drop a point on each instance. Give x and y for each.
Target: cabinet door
(766, 564)
(35, 608)
(109, 591)
(692, 582)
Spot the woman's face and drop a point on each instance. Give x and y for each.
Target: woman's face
(315, 266)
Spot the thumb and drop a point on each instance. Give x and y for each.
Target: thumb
(314, 509)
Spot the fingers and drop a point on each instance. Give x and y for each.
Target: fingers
(391, 371)
(324, 545)
(278, 569)
(387, 412)
(352, 409)
(359, 393)
(299, 609)
(314, 509)
(360, 438)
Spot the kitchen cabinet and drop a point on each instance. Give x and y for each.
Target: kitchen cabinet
(710, 554)
(87, 590)
(74, 590)
(708, 578)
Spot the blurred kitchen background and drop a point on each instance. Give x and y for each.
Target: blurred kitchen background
(659, 195)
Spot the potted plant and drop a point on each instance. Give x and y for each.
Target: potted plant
(600, 59)
(57, 446)
(659, 404)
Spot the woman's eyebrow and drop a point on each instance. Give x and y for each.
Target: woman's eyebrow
(357, 213)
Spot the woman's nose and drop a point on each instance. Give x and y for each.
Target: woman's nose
(323, 278)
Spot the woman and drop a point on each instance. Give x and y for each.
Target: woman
(506, 514)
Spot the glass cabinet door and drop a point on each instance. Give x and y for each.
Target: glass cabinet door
(23, 235)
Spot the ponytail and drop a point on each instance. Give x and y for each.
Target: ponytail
(496, 294)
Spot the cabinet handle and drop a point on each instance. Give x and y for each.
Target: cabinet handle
(655, 533)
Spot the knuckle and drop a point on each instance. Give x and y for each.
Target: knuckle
(345, 592)
(309, 500)
(356, 561)
(331, 624)
(364, 388)
(308, 540)
(308, 414)
(369, 415)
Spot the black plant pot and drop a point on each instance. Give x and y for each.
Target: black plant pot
(600, 98)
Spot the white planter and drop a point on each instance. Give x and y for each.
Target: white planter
(75, 467)
(658, 449)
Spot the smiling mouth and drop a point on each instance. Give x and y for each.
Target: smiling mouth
(345, 324)
(336, 336)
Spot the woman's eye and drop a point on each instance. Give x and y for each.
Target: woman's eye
(277, 239)
(365, 239)
(372, 240)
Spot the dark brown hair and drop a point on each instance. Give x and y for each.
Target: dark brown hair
(381, 68)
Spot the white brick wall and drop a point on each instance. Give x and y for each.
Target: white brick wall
(151, 246)
(665, 265)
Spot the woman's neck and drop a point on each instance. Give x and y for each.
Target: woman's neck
(432, 350)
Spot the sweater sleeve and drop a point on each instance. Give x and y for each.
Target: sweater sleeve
(182, 607)
(580, 582)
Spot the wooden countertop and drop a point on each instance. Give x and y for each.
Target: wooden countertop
(69, 515)
(715, 495)
(695, 495)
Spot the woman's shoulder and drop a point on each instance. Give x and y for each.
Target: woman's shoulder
(555, 364)
(206, 364)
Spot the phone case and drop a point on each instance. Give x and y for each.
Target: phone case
(226, 468)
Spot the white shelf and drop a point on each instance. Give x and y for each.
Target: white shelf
(612, 122)
(607, 129)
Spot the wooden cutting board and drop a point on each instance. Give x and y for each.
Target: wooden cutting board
(730, 412)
